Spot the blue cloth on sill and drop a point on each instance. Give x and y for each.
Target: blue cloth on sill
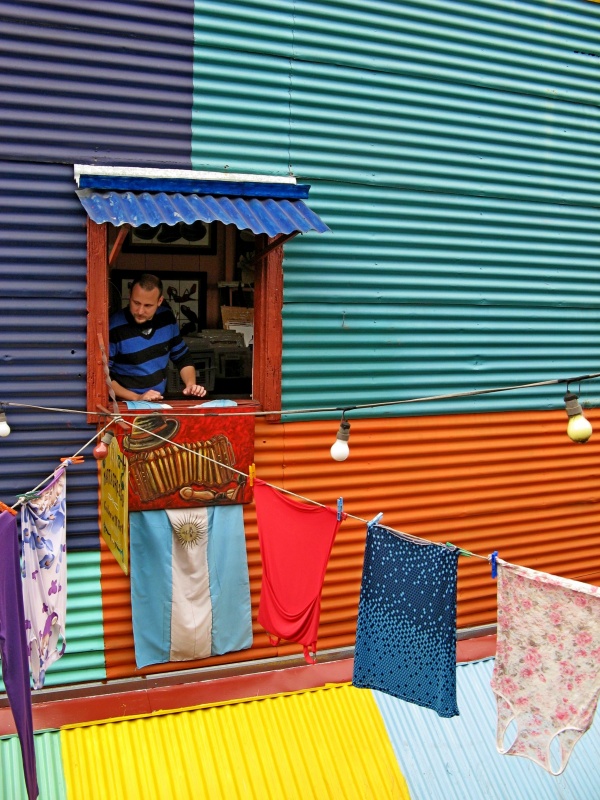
(406, 630)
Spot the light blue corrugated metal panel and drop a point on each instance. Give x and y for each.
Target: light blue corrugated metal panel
(48, 756)
(335, 123)
(43, 337)
(544, 48)
(83, 660)
(390, 129)
(340, 355)
(396, 246)
(241, 113)
(270, 216)
(418, 294)
(457, 758)
(109, 82)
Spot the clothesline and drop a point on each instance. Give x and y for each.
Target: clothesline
(329, 409)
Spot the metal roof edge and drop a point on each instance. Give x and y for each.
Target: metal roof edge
(181, 174)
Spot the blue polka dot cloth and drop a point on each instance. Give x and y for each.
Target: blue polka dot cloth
(406, 631)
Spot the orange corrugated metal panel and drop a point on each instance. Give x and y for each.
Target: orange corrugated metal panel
(511, 482)
(329, 743)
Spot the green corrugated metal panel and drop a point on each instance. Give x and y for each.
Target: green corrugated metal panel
(240, 116)
(84, 657)
(404, 247)
(452, 150)
(391, 129)
(544, 48)
(51, 779)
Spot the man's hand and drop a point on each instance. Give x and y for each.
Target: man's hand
(151, 394)
(195, 389)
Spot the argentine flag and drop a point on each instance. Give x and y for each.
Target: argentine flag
(190, 592)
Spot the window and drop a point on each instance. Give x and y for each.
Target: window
(106, 269)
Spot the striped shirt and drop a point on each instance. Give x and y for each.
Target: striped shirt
(139, 354)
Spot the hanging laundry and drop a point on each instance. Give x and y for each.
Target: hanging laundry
(43, 528)
(190, 591)
(13, 647)
(295, 543)
(547, 672)
(406, 630)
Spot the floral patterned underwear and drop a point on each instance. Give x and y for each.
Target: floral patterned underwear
(547, 672)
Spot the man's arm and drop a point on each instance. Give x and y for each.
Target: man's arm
(188, 376)
(126, 394)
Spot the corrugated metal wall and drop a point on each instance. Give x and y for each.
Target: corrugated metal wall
(97, 83)
(453, 151)
(108, 83)
(511, 482)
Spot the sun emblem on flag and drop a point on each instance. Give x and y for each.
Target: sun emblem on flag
(188, 531)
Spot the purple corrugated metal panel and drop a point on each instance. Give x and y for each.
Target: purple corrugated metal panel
(97, 83)
(457, 758)
(42, 337)
(270, 216)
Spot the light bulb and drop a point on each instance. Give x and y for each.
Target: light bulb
(4, 426)
(339, 449)
(579, 429)
(101, 449)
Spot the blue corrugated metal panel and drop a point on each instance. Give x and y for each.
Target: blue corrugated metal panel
(270, 216)
(83, 660)
(544, 48)
(43, 337)
(457, 758)
(48, 756)
(419, 294)
(97, 83)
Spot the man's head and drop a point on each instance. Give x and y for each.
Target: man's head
(145, 297)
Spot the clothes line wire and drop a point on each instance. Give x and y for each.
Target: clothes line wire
(328, 409)
(23, 497)
(400, 534)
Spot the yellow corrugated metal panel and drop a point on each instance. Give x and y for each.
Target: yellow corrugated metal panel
(324, 743)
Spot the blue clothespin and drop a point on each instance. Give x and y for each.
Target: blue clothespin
(493, 559)
(340, 508)
(375, 520)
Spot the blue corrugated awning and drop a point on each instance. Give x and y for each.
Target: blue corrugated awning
(269, 212)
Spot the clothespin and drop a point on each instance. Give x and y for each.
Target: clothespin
(26, 496)
(72, 460)
(251, 474)
(460, 550)
(493, 561)
(340, 508)
(4, 507)
(375, 520)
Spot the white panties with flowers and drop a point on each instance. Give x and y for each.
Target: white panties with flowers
(547, 672)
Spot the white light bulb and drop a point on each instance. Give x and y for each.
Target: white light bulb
(579, 429)
(4, 426)
(339, 450)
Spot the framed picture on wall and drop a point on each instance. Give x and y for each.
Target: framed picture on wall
(197, 237)
(185, 293)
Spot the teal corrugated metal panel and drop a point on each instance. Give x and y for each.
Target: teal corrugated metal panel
(241, 111)
(395, 246)
(390, 129)
(341, 355)
(83, 660)
(544, 48)
(418, 294)
(457, 759)
(48, 755)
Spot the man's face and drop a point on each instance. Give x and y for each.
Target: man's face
(143, 303)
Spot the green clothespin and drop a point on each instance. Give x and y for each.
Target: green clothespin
(460, 550)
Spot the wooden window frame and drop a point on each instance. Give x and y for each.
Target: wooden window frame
(268, 323)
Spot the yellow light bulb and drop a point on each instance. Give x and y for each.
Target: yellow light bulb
(579, 429)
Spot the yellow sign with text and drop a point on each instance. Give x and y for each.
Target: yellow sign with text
(114, 520)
